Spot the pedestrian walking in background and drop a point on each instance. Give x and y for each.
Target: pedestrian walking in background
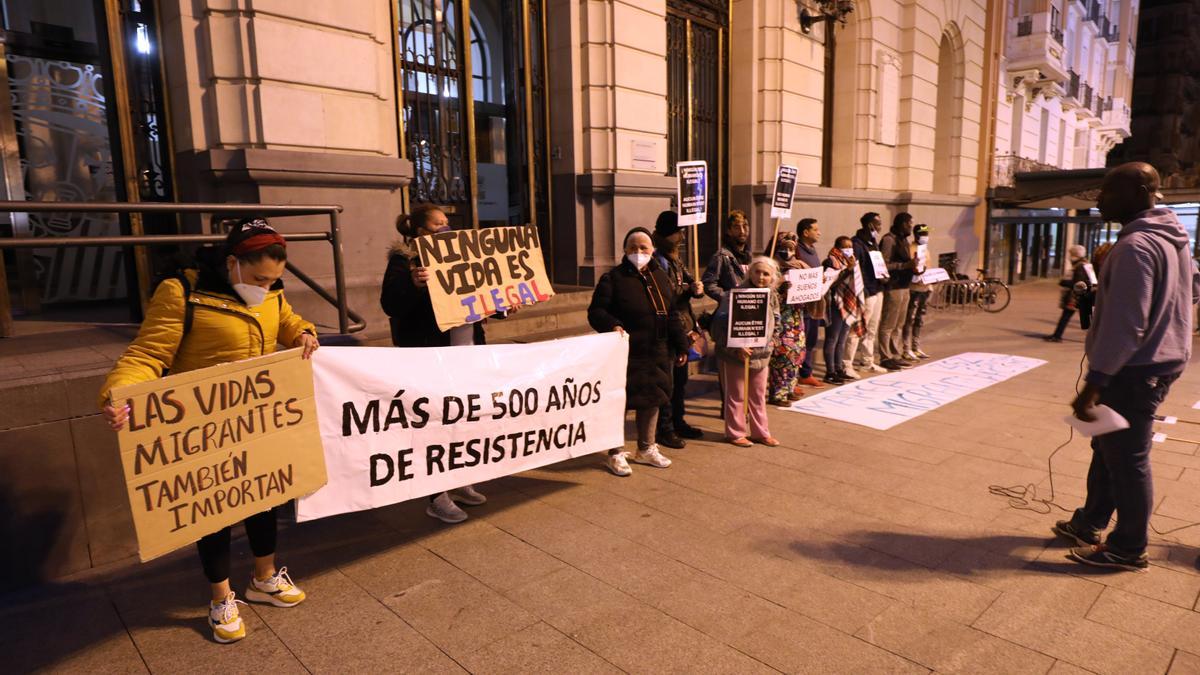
(845, 314)
(898, 255)
(808, 232)
(787, 346)
(742, 398)
(918, 301)
(1076, 285)
(860, 350)
(1139, 344)
(668, 240)
(635, 298)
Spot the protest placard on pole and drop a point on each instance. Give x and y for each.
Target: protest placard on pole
(692, 188)
(207, 448)
(804, 286)
(781, 200)
(749, 318)
(404, 423)
(474, 274)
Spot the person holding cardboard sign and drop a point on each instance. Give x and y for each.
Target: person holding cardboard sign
(845, 313)
(744, 394)
(404, 296)
(635, 299)
(231, 308)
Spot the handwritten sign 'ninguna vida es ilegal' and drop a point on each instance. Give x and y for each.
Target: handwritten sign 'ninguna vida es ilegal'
(205, 449)
(475, 274)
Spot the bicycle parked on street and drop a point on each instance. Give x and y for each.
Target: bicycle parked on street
(961, 292)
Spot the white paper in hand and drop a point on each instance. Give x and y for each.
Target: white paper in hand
(1107, 421)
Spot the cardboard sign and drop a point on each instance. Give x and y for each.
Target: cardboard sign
(932, 276)
(879, 265)
(749, 318)
(207, 448)
(692, 187)
(785, 191)
(804, 286)
(922, 257)
(474, 274)
(404, 423)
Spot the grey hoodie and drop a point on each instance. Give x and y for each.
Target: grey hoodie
(1148, 284)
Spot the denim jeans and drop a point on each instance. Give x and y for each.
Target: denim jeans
(811, 327)
(1119, 477)
(836, 331)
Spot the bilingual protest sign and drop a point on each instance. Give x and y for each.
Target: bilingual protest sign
(884, 401)
(692, 187)
(785, 191)
(749, 318)
(477, 273)
(404, 423)
(804, 286)
(207, 448)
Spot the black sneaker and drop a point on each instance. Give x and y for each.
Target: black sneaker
(891, 365)
(671, 440)
(1101, 556)
(1067, 530)
(1052, 338)
(688, 431)
(832, 378)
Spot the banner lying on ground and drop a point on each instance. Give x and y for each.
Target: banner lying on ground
(405, 423)
(205, 449)
(884, 401)
(477, 273)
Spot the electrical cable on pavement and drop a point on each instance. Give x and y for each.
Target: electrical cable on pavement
(1025, 497)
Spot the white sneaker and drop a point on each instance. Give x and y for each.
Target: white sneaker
(444, 509)
(651, 456)
(876, 368)
(468, 495)
(921, 354)
(852, 374)
(910, 355)
(618, 463)
(277, 590)
(225, 621)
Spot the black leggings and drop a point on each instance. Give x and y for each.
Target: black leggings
(214, 548)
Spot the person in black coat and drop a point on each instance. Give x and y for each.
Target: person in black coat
(1076, 289)
(405, 299)
(636, 299)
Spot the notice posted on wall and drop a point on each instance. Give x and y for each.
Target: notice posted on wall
(205, 449)
(692, 189)
(749, 318)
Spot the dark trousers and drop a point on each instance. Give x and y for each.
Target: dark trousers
(670, 415)
(836, 331)
(1119, 477)
(214, 548)
(1063, 321)
(811, 327)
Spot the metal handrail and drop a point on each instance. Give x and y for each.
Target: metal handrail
(333, 236)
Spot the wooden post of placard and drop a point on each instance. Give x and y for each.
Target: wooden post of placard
(691, 187)
(781, 200)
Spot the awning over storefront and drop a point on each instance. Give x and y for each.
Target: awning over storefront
(1069, 189)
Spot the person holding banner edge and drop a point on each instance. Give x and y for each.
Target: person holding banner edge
(745, 370)
(668, 237)
(404, 296)
(635, 299)
(230, 307)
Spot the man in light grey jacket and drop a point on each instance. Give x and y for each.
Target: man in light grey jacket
(1138, 345)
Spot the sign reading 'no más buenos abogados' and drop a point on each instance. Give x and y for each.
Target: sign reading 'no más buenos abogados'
(477, 273)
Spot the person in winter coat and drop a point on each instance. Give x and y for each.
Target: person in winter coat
(668, 236)
(808, 233)
(1139, 344)
(728, 266)
(635, 299)
(860, 352)
(901, 263)
(763, 273)
(845, 314)
(1075, 286)
(787, 352)
(405, 299)
(229, 308)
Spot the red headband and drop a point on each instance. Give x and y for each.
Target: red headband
(258, 242)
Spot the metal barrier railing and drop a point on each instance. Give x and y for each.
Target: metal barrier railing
(958, 295)
(348, 320)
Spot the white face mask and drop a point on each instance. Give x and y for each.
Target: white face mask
(848, 252)
(923, 240)
(639, 260)
(252, 295)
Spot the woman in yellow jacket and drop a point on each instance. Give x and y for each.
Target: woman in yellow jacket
(229, 309)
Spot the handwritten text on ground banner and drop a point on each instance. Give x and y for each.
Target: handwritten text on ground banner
(205, 449)
(884, 401)
(474, 274)
(404, 423)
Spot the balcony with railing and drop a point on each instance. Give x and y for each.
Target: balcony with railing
(1035, 44)
(1115, 116)
(1072, 84)
(1114, 33)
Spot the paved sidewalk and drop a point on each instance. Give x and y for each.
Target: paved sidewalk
(845, 550)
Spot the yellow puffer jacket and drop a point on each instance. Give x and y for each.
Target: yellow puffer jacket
(223, 329)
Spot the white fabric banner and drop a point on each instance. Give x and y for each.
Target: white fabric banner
(884, 401)
(403, 423)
